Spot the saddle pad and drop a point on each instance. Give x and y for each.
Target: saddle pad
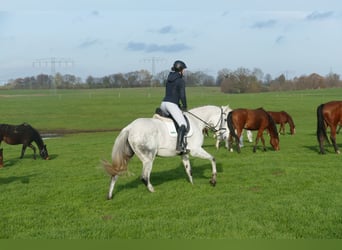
(171, 126)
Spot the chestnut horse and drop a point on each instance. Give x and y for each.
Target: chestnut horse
(328, 115)
(282, 118)
(252, 119)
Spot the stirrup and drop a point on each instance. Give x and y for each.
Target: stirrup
(182, 151)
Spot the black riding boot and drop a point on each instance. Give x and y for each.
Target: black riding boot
(181, 147)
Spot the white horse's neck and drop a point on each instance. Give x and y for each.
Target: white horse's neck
(208, 116)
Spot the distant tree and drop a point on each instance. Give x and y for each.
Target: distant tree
(90, 82)
(267, 79)
(333, 80)
(241, 80)
(42, 81)
(161, 77)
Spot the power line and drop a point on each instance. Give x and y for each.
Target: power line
(53, 62)
(153, 60)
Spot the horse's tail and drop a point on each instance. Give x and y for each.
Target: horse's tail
(231, 127)
(230, 124)
(321, 128)
(121, 154)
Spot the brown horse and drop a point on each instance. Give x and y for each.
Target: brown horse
(328, 115)
(23, 134)
(282, 118)
(252, 119)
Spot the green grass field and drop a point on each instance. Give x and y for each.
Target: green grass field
(294, 193)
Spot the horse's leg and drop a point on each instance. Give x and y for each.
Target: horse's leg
(230, 143)
(259, 135)
(337, 132)
(237, 139)
(187, 166)
(263, 142)
(23, 151)
(333, 138)
(111, 186)
(145, 176)
(1, 158)
(201, 153)
(282, 128)
(217, 145)
(226, 141)
(34, 150)
(249, 136)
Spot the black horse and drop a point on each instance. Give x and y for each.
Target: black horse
(23, 134)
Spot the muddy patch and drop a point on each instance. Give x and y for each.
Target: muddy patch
(61, 132)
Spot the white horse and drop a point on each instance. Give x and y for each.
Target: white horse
(151, 137)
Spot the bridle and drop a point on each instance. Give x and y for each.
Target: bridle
(219, 123)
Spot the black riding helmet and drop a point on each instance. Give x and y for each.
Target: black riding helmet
(178, 66)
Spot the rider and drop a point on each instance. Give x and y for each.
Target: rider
(174, 95)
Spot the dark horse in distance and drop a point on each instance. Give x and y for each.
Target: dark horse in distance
(23, 134)
(328, 115)
(252, 119)
(282, 118)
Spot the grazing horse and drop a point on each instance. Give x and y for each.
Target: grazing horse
(282, 118)
(252, 119)
(328, 115)
(23, 134)
(151, 137)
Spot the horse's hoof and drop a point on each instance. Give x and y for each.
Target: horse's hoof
(212, 182)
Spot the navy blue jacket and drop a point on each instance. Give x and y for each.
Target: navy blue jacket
(175, 90)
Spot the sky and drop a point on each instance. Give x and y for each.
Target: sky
(103, 37)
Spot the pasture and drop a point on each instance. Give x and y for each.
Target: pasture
(294, 193)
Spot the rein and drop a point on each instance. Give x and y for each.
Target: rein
(212, 128)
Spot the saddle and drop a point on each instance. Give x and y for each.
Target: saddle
(171, 122)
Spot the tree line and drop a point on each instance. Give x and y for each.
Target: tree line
(241, 80)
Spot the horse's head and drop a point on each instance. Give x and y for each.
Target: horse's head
(275, 142)
(293, 130)
(44, 153)
(226, 109)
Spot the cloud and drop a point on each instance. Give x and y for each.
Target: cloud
(152, 47)
(225, 13)
(264, 24)
(88, 43)
(167, 30)
(319, 15)
(95, 13)
(280, 39)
